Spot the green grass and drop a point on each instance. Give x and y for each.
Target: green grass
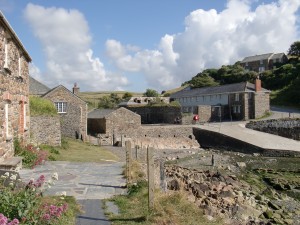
(78, 151)
(172, 208)
(40, 106)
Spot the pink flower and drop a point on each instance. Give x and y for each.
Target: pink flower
(14, 222)
(46, 216)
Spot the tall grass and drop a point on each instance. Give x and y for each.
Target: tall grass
(40, 106)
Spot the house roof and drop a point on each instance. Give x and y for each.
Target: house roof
(228, 88)
(14, 35)
(99, 113)
(257, 57)
(36, 87)
(61, 86)
(277, 56)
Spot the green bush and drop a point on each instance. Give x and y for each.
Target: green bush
(40, 106)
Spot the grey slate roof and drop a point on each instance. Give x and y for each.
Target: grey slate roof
(228, 88)
(277, 56)
(257, 57)
(99, 113)
(36, 87)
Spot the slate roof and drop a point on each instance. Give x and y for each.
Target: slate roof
(228, 88)
(99, 113)
(277, 56)
(14, 35)
(36, 87)
(257, 57)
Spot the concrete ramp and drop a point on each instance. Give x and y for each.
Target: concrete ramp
(235, 137)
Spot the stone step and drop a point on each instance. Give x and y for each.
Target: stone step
(12, 163)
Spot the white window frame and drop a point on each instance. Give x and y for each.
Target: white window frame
(236, 109)
(261, 69)
(261, 62)
(6, 108)
(237, 97)
(61, 107)
(20, 63)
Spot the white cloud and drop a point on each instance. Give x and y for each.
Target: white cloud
(212, 39)
(66, 40)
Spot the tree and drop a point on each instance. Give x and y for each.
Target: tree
(127, 95)
(295, 49)
(203, 81)
(150, 93)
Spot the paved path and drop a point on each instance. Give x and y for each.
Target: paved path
(261, 139)
(87, 182)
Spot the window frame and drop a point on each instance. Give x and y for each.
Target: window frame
(236, 97)
(61, 107)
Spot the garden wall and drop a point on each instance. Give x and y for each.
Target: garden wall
(45, 130)
(288, 127)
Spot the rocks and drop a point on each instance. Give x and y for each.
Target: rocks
(241, 164)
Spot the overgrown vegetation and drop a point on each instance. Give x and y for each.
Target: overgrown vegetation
(25, 204)
(40, 106)
(283, 81)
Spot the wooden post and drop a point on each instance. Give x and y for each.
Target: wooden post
(128, 161)
(150, 164)
(162, 176)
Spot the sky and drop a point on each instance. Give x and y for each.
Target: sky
(133, 45)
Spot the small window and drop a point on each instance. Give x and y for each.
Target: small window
(61, 107)
(249, 95)
(261, 62)
(261, 69)
(20, 64)
(6, 58)
(237, 97)
(236, 109)
(246, 63)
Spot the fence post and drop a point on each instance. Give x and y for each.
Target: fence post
(162, 176)
(128, 161)
(150, 164)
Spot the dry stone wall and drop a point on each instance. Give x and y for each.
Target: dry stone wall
(289, 128)
(45, 130)
(261, 104)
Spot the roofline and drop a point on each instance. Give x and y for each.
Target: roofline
(64, 88)
(219, 93)
(15, 36)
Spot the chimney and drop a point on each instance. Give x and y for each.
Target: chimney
(257, 84)
(75, 89)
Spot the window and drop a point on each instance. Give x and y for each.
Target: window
(247, 64)
(20, 63)
(61, 107)
(236, 109)
(237, 97)
(261, 62)
(261, 69)
(249, 95)
(7, 133)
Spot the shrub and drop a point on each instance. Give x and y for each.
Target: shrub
(40, 106)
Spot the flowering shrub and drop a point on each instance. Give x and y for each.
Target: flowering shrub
(32, 156)
(27, 204)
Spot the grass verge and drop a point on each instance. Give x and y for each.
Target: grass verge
(78, 151)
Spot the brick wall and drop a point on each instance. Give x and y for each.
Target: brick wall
(74, 121)
(45, 130)
(14, 90)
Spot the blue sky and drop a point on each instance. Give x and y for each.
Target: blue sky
(133, 45)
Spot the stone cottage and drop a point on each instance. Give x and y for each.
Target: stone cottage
(260, 63)
(14, 78)
(110, 125)
(239, 101)
(71, 109)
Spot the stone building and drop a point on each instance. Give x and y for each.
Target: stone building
(71, 109)
(112, 124)
(260, 63)
(239, 101)
(14, 84)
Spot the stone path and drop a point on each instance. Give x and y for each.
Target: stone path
(87, 182)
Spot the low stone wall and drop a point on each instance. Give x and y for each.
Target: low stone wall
(163, 137)
(289, 128)
(211, 139)
(45, 130)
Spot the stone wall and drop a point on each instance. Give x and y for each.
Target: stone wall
(261, 104)
(289, 128)
(204, 112)
(163, 137)
(155, 114)
(45, 130)
(74, 121)
(210, 139)
(14, 90)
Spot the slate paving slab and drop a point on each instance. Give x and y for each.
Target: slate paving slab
(87, 182)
